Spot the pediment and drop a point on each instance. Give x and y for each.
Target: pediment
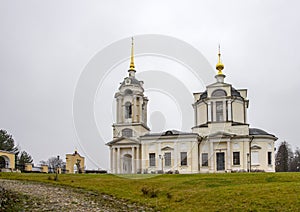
(255, 147)
(166, 148)
(123, 141)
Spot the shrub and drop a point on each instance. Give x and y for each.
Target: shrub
(169, 195)
(149, 192)
(160, 171)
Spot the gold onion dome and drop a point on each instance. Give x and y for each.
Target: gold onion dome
(219, 65)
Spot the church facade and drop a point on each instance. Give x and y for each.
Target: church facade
(220, 141)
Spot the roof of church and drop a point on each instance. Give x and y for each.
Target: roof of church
(169, 133)
(220, 67)
(133, 81)
(234, 92)
(116, 140)
(255, 131)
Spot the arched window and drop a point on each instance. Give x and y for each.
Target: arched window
(128, 110)
(219, 111)
(127, 132)
(128, 92)
(219, 93)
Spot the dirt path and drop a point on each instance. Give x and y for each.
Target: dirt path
(46, 197)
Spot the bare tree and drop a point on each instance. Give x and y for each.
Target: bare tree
(54, 163)
(295, 161)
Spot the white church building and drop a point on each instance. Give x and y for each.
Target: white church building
(220, 141)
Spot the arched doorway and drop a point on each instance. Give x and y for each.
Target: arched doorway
(4, 161)
(127, 166)
(75, 169)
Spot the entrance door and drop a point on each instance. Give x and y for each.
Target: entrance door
(220, 161)
(127, 166)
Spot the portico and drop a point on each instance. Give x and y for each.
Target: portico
(125, 159)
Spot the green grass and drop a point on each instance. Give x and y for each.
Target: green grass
(198, 192)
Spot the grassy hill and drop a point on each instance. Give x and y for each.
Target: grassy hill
(198, 192)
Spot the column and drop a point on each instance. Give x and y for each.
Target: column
(118, 161)
(158, 160)
(133, 108)
(228, 156)
(118, 110)
(145, 111)
(132, 161)
(143, 156)
(213, 111)
(138, 161)
(195, 114)
(209, 112)
(111, 160)
(175, 165)
(122, 111)
(229, 115)
(141, 111)
(245, 113)
(212, 156)
(115, 160)
(224, 110)
(138, 114)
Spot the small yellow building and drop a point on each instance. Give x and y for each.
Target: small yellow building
(44, 169)
(74, 163)
(7, 160)
(28, 167)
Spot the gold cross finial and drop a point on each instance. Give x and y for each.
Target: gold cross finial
(219, 65)
(132, 56)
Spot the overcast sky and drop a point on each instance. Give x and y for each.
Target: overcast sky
(45, 46)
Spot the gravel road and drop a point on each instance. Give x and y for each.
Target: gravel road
(47, 197)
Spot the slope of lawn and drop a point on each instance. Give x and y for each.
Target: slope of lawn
(197, 192)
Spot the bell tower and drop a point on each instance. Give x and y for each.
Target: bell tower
(131, 120)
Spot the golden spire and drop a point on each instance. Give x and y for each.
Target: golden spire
(219, 65)
(131, 57)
